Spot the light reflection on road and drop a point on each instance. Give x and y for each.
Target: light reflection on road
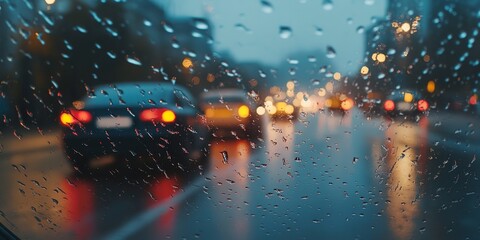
(280, 145)
(231, 190)
(406, 144)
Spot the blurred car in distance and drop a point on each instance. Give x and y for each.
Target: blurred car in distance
(371, 104)
(339, 102)
(156, 120)
(405, 103)
(278, 109)
(230, 112)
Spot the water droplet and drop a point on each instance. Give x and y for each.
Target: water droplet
(369, 2)
(355, 160)
(224, 156)
(327, 5)
(200, 23)
(267, 7)
(133, 61)
(81, 29)
(360, 29)
(331, 53)
(167, 27)
(242, 27)
(315, 82)
(147, 23)
(285, 32)
(318, 31)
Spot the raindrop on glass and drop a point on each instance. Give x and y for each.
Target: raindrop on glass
(331, 53)
(327, 5)
(200, 23)
(267, 7)
(285, 32)
(224, 156)
(360, 29)
(133, 61)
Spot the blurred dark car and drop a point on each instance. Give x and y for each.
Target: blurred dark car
(5, 112)
(405, 103)
(230, 112)
(157, 120)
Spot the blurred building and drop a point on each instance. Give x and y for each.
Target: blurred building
(393, 46)
(59, 52)
(423, 41)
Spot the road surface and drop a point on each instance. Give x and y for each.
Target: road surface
(328, 176)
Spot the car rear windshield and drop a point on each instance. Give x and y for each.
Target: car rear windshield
(136, 95)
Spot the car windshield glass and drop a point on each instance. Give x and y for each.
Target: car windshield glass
(230, 119)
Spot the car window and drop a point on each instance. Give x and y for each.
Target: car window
(227, 119)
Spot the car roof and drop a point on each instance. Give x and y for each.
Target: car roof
(135, 94)
(225, 93)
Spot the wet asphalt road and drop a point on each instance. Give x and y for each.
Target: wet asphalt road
(323, 176)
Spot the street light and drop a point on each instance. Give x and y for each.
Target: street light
(50, 2)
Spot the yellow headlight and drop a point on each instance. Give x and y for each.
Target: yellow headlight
(243, 111)
(281, 106)
(408, 97)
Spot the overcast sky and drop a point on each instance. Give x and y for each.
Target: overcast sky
(250, 30)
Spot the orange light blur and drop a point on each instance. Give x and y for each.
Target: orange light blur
(67, 119)
(168, 116)
(158, 115)
(431, 86)
(74, 117)
(243, 111)
(422, 105)
(347, 104)
(389, 105)
(187, 63)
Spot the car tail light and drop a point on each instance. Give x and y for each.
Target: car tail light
(158, 115)
(243, 111)
(422, 105)
(72, 117)
(389, 105)
(473, 99)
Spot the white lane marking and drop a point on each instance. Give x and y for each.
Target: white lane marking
(150, 215)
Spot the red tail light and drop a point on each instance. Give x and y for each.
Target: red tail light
(473, 99)
(158, 115)
(389, 105)
(72, 117)
(422, 105)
